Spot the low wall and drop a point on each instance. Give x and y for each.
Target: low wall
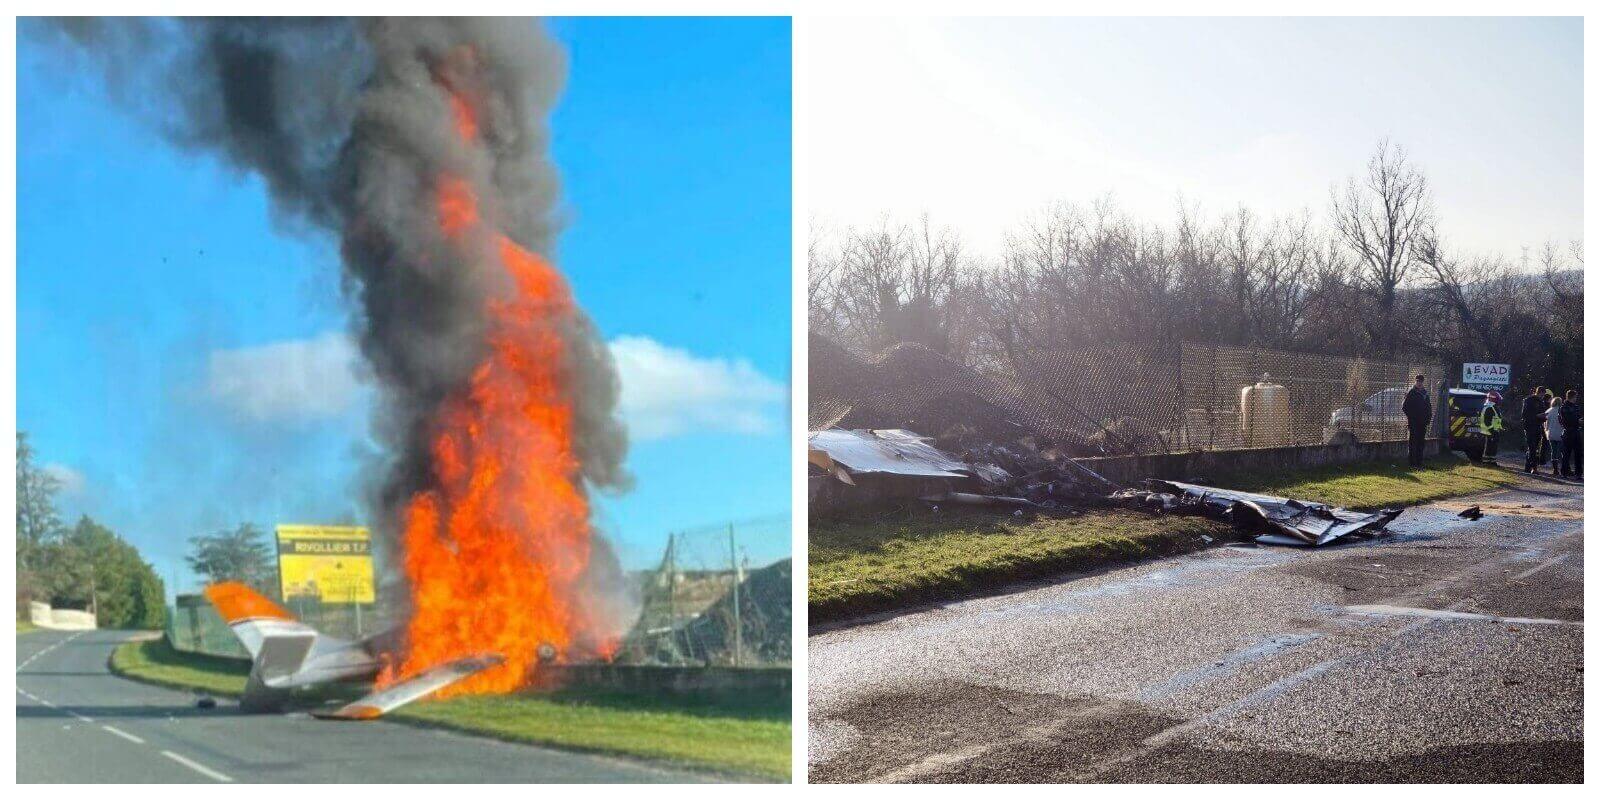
(1207, 463)
(827, 494)
(59, 619)
(673, 680)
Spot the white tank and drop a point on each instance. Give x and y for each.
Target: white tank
(1264, 414)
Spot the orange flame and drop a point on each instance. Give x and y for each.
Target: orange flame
(494, 547)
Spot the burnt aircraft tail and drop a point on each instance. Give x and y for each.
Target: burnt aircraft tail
(277, 642)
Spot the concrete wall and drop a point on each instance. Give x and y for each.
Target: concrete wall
(676, 680)
(59, 619)
(827, 494)
(1208, 463)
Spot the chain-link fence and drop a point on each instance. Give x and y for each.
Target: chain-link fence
(707, 602)
(1121, 399)
(194, 626)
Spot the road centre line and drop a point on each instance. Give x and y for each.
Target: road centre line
(1449, 614)
(48, 649)
(124, 734)
(181, 759)
(1540, 567)
(197, 767)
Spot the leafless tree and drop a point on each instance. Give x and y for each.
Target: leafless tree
(1381, 218)
(892, 283)
(1377, 280)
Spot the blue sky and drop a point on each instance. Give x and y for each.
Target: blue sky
(166, 327)
(981, 122)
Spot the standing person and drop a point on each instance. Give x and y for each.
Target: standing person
(1554, 431)
(1491, 423)
(1547, 456)
(1533, 426)
(1572, 426)
(1419, 412)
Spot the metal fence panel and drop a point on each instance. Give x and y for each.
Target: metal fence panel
(1122, 399)
(707, 604)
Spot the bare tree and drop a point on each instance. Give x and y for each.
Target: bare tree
(822, 279)
(1381, 219)
(894, 283)
(1454, 285)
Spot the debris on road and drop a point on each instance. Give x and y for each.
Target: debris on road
(1473, 513)
(1272, 520)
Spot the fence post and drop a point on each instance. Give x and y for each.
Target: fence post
(738, 629)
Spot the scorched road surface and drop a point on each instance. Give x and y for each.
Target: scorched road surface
(1444, 651)
(78, 723)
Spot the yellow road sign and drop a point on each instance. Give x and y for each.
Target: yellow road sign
(330, 562)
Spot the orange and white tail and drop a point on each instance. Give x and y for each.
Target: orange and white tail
(254, 618)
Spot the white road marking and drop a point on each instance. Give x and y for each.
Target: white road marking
(48, 649)
(35, 698)
(1266, 693)
(1429, 613)
(1552, 562)
(124, 734)
(197, 767)
(80, 717)
(1255, 698)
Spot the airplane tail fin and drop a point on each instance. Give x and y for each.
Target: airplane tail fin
(256, 620)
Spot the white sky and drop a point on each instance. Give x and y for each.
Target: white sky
(983, 122)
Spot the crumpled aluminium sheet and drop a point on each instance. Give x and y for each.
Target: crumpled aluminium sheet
(1275, 520)
(892, 452)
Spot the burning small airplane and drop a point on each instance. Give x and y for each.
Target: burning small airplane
(288, 654)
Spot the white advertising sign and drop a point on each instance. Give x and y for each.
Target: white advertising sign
(1493, 375)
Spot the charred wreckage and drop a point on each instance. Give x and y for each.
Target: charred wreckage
(868, 465)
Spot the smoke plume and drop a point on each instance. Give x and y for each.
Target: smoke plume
(350, 124)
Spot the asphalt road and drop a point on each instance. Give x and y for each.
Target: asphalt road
(78, 723)
(1445, 651)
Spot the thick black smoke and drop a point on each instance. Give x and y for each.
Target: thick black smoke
(350, 125)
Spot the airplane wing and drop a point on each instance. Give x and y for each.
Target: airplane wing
(382, 702)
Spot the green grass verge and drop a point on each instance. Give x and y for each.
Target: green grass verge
(154, 661)
(26, 627)
(738, 734)
(862, 564)
(1376, 485)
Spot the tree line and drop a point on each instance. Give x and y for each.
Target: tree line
(86, 565)
(1372, 276)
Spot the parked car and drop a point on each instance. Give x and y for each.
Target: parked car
(1377, 417)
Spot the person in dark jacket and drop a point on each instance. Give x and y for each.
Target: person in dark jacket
(1533, 408)
(1419, 412)
(1572, 423)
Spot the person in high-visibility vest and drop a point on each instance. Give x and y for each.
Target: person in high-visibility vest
(1491, 424)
